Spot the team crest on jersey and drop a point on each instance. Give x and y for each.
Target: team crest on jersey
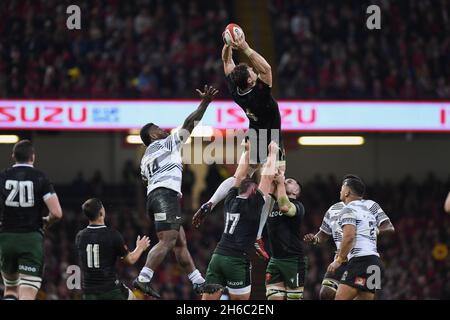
(360, 281)
(251, 115)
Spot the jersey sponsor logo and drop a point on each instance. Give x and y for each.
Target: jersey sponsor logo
(27, 268)
(235, 283)
(161, 216)
(275, 214)
(251, 115)
(43, 114)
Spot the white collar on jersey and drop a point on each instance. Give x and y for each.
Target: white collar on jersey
(96, 226)
(23, 165)
(243, 93)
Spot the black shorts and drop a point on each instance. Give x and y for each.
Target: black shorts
(263, 137)
(163, 207)
(364, 273)
(332, 280)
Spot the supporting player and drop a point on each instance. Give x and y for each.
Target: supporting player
(24, 192)
(359, 245)
(286, 270)
(98, 249)
(251, 90)
(330, 228)
(161, 167)
(230, 266)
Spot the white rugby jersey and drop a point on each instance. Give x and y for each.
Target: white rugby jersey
(357, 214)
(330, 224)
(161, 165)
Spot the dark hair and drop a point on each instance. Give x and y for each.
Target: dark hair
(351, 176)
(91, 208)
(145, 136)
(356, 185)
(240, 75)
(23, 151)
(246, 184)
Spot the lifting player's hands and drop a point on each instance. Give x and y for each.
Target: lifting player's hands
(246, 144)
(143, 243)
(273, 147)
(208, 94)
(279, 177)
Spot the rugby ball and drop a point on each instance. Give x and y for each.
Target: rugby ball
(231, 32)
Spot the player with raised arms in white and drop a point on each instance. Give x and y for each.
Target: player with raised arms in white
(161, 168)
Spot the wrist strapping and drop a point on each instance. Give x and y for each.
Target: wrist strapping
(248, 52)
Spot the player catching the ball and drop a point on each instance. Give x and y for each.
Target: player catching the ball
(250, 88)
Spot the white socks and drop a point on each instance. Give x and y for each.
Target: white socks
(222, 191)
(268, 207)
(146, 275)
(196, 277)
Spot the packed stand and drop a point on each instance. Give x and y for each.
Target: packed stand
(325, 50)
(125, 49)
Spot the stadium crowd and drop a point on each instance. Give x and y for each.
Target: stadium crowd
(125, 49)
(163, 49)
(416, 258)
(326, 51)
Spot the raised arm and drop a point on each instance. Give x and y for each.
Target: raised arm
(227, 59)
(192, 120)
(286, 206)
(268, 171)
(242, 169)
(258, 62)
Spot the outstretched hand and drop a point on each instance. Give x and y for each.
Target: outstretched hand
(142, 243)
(208, 94)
